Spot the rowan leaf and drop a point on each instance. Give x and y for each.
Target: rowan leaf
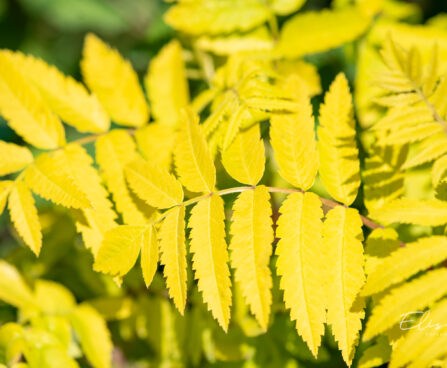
(149, 254)
(23, 107)
(301, 265)
(173, 255)
(167, 85)
(405, 262)
(251, 247)
(23, 214)
(412, 211)
(119, 249)
(153, 184)
(293, 140)
(244, 159)
(48, 178)
(210, 256)
(339, 163)
(409, 297)
(65, 96)
(343, 252)
(115, 83)
(113, 152)
(193, 161)
(14, 158)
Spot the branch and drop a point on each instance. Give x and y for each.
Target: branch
(327, 202)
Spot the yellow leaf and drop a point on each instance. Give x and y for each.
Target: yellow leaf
(23, 214)
(153, 184)
(405, 262)
(149, 254)
(156, 143)
(301, 265)
(430, 149)
(115, 83)
(244, 159)
(5, 186)
(48, 178)
(411, 296)
(13, 289)
(251, 247)
(173, 255)
(214, 17)
(320, 31)
(119, 249)
(65, 96)
(113, 152)
(193, 161)
(412, 211)
(24, 109)
(210, 259)
(293, 140)
(94, 336)
(100, 218)
(421, 346)
(380, 244)
(167, 85)
(343, 252)
(339, 163)
(14, 158)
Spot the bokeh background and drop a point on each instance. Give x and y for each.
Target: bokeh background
(146, 329)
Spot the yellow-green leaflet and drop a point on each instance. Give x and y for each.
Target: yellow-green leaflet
(166, 84)
(412, 211)
(24, 109)
(173, 255)
(48, 178)
(339, 163)
(244, 159)
(23, 212)
(115, 83)
(93, 335)
(293, 140)
(251, 247)
(5, 186)
(156, 186)
(320, 31)
(421, 346)
(119, 249)
(210, 256)
(149, 254)
(100, 218)
(53, 298)
(343, 252)
(412, 296)
(301, 265)
(156, 142)
(405, 262)
(113, 152)
(13, 289)
(214, 17)
(14, 158)
(66, 97)
(193, 161)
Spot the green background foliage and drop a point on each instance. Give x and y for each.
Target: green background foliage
(146, 329)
